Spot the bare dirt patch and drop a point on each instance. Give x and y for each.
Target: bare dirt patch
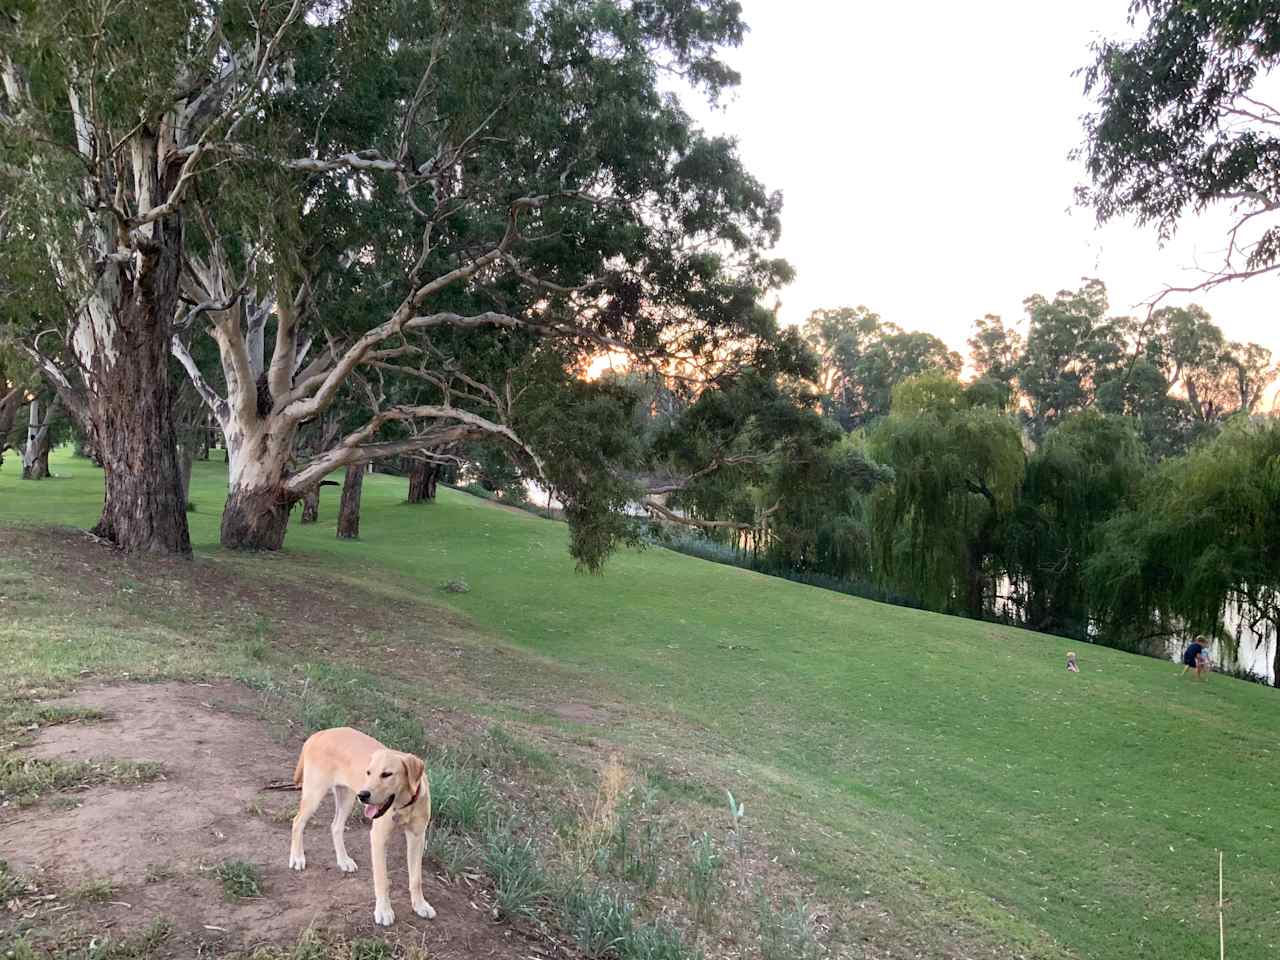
(160, 843)
(580, 713)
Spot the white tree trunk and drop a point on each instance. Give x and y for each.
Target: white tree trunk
(256, 514)
(35, 455)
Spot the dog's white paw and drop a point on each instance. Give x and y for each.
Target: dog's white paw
(425, 909)
(346, 865)
(383, 915)
(298, 862)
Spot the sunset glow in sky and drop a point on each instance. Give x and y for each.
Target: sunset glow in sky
(922, 151)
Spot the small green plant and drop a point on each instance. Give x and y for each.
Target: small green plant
(23, 716)
(460, 799)
(702, 886)
(785, 934)
(736, 812)
(656, 941)
(519, 882)
(24, 779)
(633, 850)
(601, 923)
(456, 585)
(456, 855)
(99, 890)
(240, 879)
(367, 948)
(160, 930)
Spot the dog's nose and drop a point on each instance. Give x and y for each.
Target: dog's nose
(363, 796)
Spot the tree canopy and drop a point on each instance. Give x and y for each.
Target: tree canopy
(430, 211)
(1181, 126)
(862, 358)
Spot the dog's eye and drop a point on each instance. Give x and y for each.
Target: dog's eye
(385, 775)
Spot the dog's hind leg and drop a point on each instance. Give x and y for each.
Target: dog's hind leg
(416, 843)
(311, 797)
(343, 799)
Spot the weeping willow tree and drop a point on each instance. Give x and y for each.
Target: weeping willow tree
(1202, 541)
(957, 470)
(1089, 467)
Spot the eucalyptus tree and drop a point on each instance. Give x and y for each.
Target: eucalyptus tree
(862, 358)
(1184, 123)
(1219, 378)
(478, 244)
(995, 352)
(375, 189)
(13, 392)
(42, 416)
(109, 114)
(11, 395)
(1072, 347)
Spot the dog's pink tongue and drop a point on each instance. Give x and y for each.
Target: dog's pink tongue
(370, 810)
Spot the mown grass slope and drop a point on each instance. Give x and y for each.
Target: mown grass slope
(946, 767)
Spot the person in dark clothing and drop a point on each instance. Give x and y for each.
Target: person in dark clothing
(1194, 658)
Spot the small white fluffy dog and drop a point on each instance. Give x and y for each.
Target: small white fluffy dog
(394, 790)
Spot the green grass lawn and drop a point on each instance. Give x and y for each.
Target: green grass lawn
(939, 766)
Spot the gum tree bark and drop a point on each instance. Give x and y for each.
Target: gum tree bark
(112, 221)
(311, 505)
(349, 509)
(186, 457)
(124, 346)
(423, 478)
(9, 404)
(35, 455)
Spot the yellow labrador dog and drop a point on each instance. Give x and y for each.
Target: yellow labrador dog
(394, 790)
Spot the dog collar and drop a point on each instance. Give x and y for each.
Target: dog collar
(414, 798)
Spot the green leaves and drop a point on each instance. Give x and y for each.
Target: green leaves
(862, 358)
(1201, 536)
(957, 470)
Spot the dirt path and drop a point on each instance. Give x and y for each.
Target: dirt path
(160, 842)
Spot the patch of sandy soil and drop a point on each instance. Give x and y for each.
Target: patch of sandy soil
(217, 759)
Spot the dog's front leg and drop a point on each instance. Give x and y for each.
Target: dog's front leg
(416, 841)
(383, 915)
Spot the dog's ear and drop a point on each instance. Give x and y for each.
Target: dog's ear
(413, 769)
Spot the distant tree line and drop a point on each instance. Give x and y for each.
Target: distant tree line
(1094, 476)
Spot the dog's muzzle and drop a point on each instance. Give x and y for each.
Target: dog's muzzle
(370, 811)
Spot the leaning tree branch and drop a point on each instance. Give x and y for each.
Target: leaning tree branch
(215, 403)
(675, 484)
(450, 425)
(657, 509)
(299, 409)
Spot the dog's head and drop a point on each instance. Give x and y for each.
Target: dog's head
(390, 774)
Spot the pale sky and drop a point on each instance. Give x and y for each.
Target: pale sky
(922, 154)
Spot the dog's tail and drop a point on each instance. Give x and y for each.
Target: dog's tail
(297, 771)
